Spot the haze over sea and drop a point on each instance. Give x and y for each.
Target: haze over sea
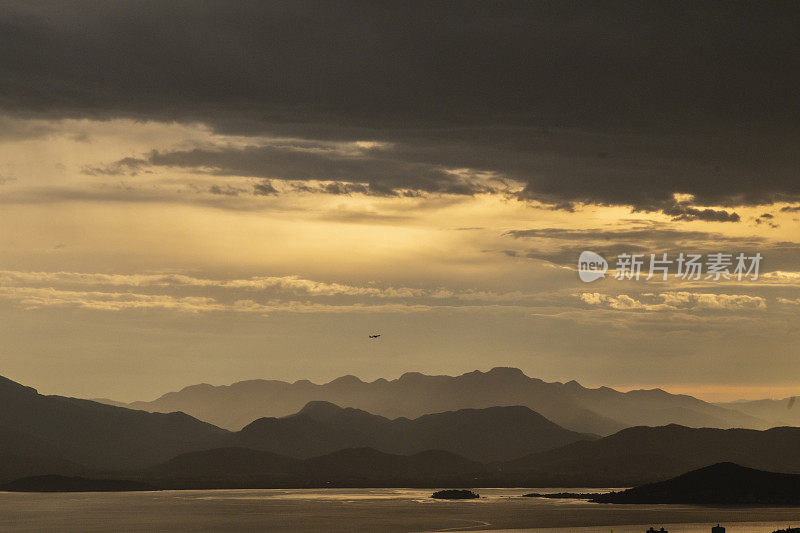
(364, 510)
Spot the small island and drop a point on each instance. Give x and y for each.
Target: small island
(563, 495)
(455, 494)
(788, 530)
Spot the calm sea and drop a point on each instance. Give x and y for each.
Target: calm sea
(363, 510)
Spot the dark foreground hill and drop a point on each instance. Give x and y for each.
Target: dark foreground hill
(722, 483)
(222, 463)
(632, 457)
(646, 454)
(601, 411)
(358, 467)
(243, 468)
(56, 435)
(233, 467)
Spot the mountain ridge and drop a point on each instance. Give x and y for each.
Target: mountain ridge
(70, 436)
(781, 412)
(646, 454)
(53, 435)
(600, 410)
(486, 435)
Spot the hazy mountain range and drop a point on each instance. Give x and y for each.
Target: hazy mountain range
(327, 445)
(491, 434)
(785, 412)
(600, 411)
(52, 434)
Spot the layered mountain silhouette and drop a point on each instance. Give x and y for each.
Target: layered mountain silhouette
(723, 483)
(647, 454)
(491, 434)
(57, 435)
(327, 445)
(601, 411)
(785, 412)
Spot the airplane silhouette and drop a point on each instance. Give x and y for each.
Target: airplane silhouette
(374, 336)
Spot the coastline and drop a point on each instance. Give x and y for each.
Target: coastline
(392, 510)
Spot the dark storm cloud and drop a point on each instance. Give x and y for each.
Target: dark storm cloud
(16, 130)
(650, 233)
(621, 103)
(224, 191)
(381, 169)
(129, 166)
(767, 218)
(264, 188)
(345, 188)
(685, 212)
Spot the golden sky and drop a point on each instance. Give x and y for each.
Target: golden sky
(131, 284)
(176, 210)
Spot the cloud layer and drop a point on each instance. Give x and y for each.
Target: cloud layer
(623, 104)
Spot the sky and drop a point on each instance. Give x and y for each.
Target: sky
(214, 191)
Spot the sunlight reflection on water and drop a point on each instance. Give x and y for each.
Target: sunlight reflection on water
(345, 510)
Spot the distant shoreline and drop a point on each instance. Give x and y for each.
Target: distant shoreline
(392, 510)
